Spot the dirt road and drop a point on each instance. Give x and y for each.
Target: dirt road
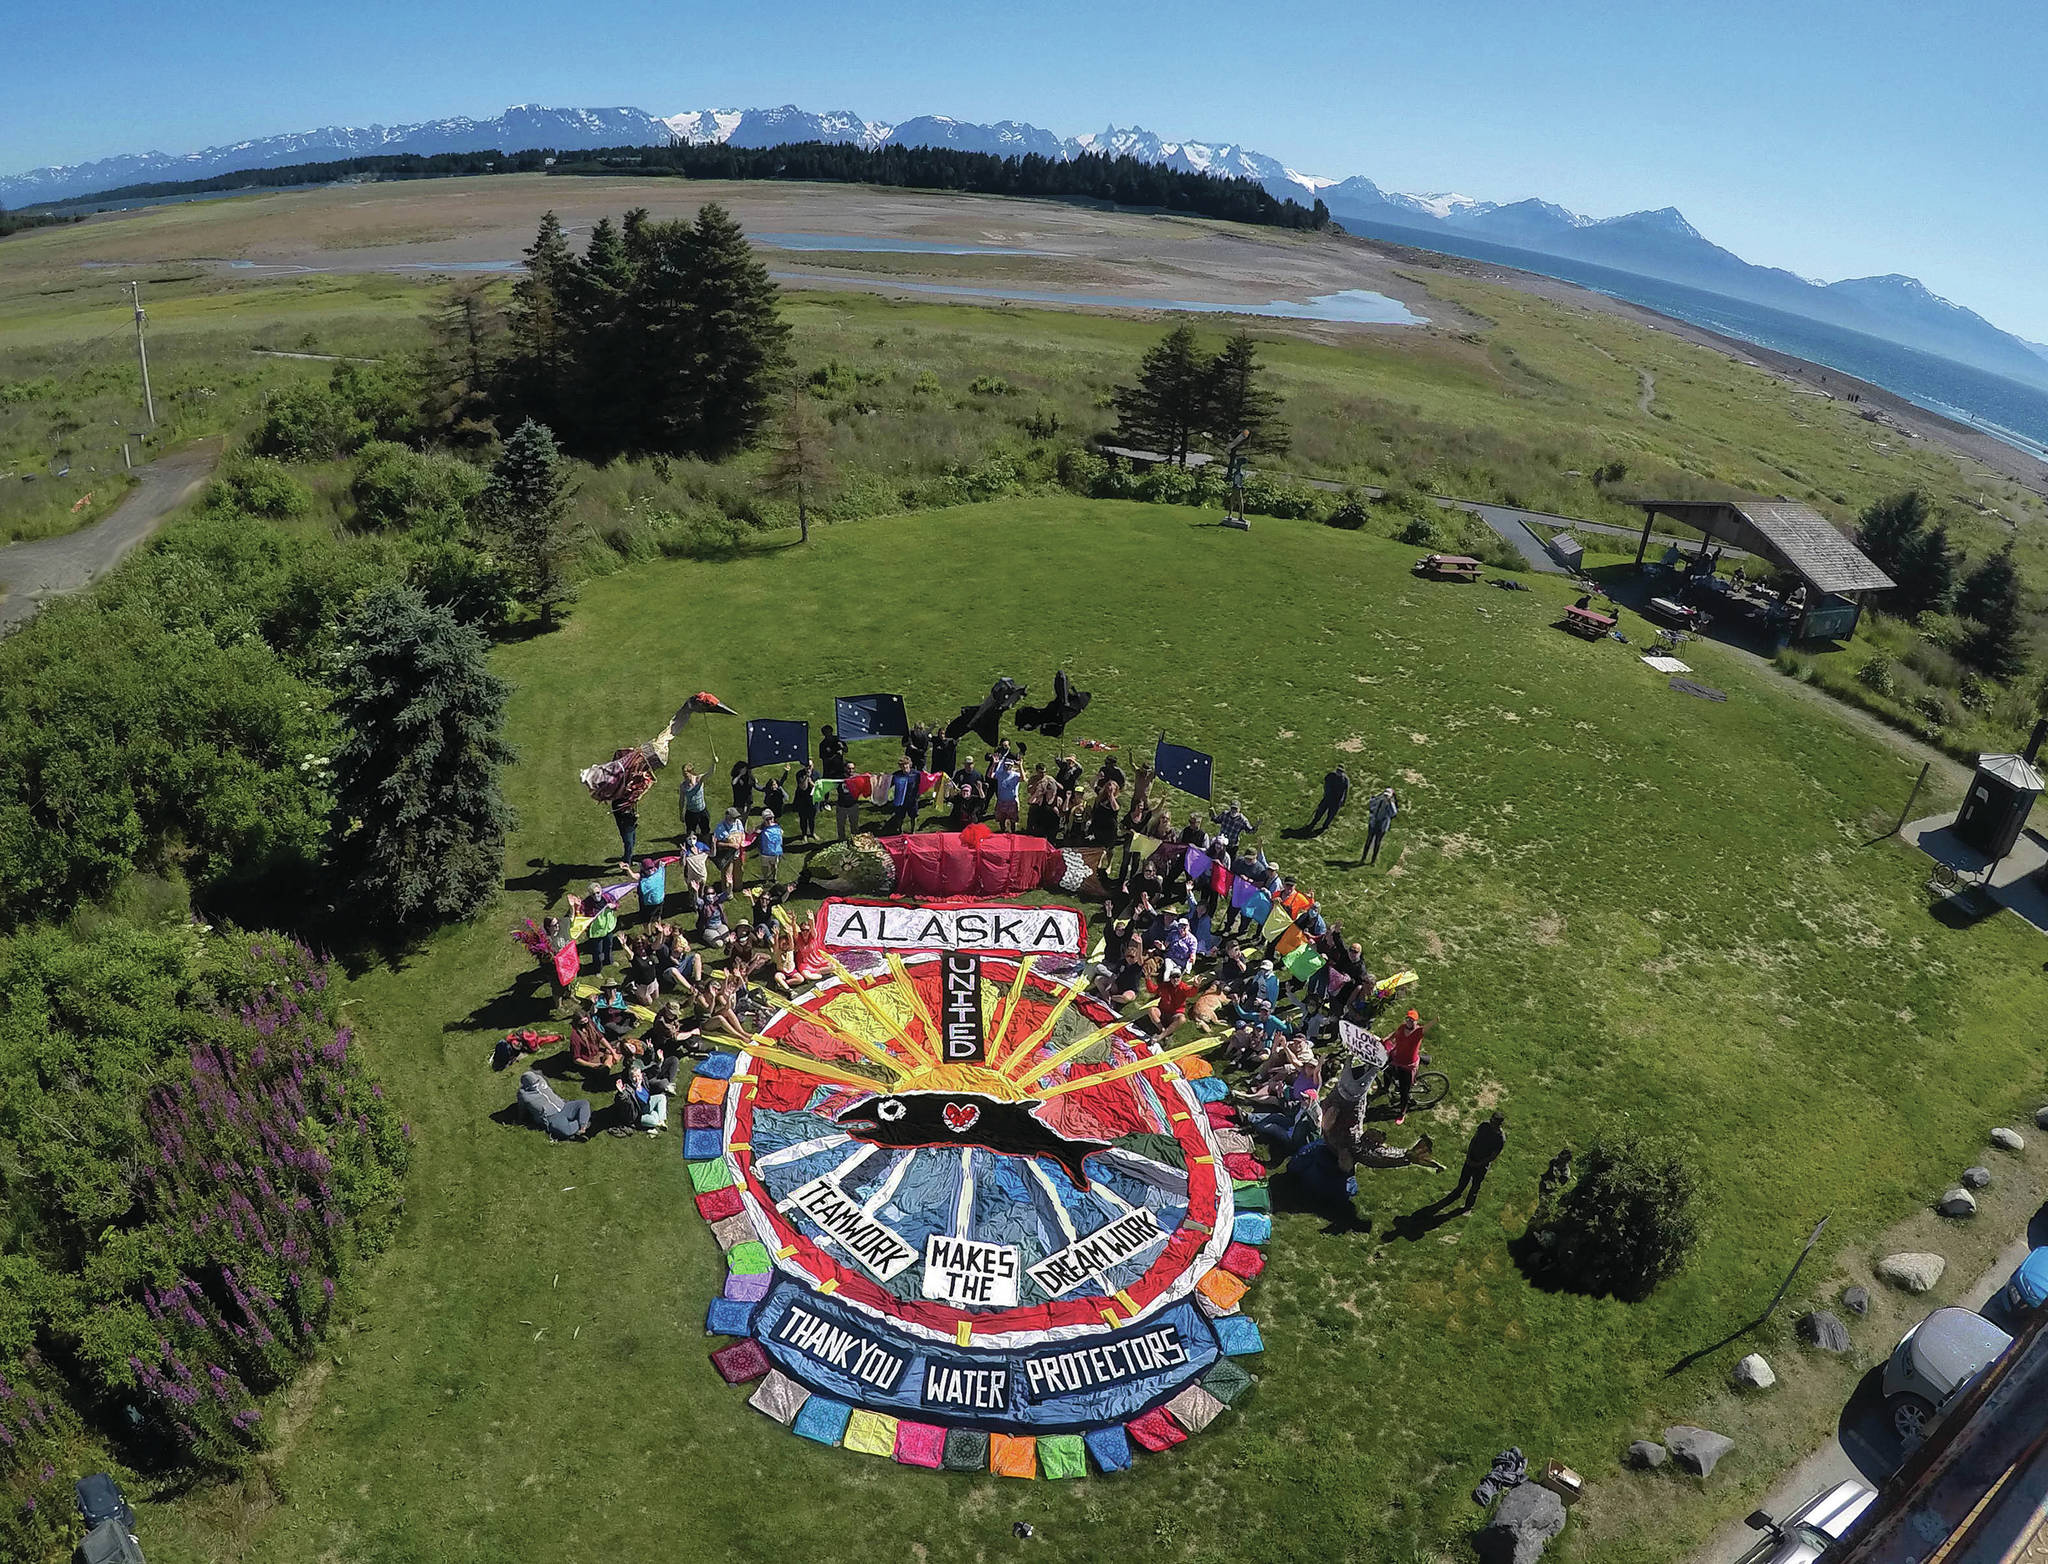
(32, 573)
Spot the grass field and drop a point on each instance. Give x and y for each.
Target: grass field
(1625, 903)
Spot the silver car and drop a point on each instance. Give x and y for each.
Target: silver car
(1812, 1529)
(1932, 1364)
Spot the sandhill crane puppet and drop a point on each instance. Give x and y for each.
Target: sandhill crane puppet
(626, 777)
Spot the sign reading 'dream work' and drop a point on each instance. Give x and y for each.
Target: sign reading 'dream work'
(987, 928)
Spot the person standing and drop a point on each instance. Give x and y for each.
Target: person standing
(768, 843)
(1042, 798)
(902, 799)
(1379, 815)
(1404, 1056)
(832, 755)
(653, 888)
(1006, 782)
(775, 794)
(1336, 788)
(967, 784)
(845, 810)
(726, 842)
(603, 929)
(742, 775)
(627, 819)
(695, 807)
(806, 790)
(1488, 1141)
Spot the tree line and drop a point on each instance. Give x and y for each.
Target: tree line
(1121, 180)
(1903, 538)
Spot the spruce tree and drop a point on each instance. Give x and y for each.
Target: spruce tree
(419, 823)
(463, 365)
(1928, 573)
(1991, 596)
(1239, 403)
(543, 328)
(1168, 407)
(742, 342)
(1889, 530)
(800, 467)
(660, 389)
(524, 511)
(599, 385)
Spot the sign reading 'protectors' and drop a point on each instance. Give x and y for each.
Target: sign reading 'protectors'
(960, 1007)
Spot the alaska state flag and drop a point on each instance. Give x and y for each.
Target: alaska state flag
(870, 717)
(772, 743)
(1186, 769)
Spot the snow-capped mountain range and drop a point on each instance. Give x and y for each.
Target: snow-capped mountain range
(1659, 244)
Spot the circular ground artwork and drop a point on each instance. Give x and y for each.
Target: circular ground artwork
(972, 1220)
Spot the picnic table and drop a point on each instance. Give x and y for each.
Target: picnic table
(1449, 567)
(1588, 622)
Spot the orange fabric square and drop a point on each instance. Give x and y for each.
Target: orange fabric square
(1290, 941)
(1012, 1455)
(1222, 1289)
(704, 1088)
(1196, 1069)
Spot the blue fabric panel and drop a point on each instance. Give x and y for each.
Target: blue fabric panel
(718, 1066)
(823, 1419)
(1251, 1227)
(1110, 1446)
(1238, 1335)
(728, 1317)
(702, 1145)
(1211, 1088)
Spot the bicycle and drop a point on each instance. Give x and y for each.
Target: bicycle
(1431, 1087)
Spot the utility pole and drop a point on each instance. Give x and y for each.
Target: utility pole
(142, 354)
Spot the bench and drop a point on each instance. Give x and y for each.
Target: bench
(1449, 567)
(1588, 622)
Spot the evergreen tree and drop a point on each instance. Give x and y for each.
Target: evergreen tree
(419, 824)
(659, 389)
(543, 329)
(1889, 530)
(524, 511)
(599, 291)
(1928, 573)
(1991, 596)
(1239, 403)
(800, 468)
(742, 342)
(1169, 405)
(467, 346)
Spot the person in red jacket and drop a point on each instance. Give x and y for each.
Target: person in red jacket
(1404, 1054)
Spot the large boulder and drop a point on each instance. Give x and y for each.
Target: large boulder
(1647, 1455)
(1522, 1525)
(1957, 1202)
(1912, 1272)
(1976, 1178)
(1753, 1373)
(2008, 1140)
(1824, 1330)
(1856, 1300)
(1697, 1450)
(2041, 1117)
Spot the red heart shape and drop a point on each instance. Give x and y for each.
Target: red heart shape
(962, 1116)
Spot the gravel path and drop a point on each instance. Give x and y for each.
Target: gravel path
(32, 573)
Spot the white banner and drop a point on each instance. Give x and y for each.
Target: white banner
(878, 1249)
(1109, 1245)
(989, 929)
(967, 1271)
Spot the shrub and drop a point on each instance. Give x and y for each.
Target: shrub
(1422, 531)
(1878, 673)
(1940, 708)
(990, 385)
(257, 486)
(1043, 424)
(1628, 1223)
(1351, 513)
(307, 424)
(397, 487)
(926, 384)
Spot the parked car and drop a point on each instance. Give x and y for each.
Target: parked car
(2029, 1285)
(1812, 1529)
(1932, 1364)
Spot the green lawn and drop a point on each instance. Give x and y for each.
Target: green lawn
(1623, 901)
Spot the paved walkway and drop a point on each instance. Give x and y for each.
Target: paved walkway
(33, 573)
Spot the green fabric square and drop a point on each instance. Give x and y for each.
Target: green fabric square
(708, 1176)
(1251, 1196)
(1227, 1381)
(749, 1259)
(1062, 1455)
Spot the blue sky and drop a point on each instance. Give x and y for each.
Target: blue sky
(1833, 138)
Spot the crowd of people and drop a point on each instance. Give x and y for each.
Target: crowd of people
(1203, 929)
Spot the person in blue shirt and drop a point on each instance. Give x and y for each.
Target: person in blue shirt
(643, 1105)
(768, 843)
(727, 839)
(1005, 782)
(1265, 985)
(903, 798)
(653, 888)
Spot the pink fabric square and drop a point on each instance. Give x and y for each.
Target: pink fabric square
(1243, 1260)
(742, 1361)
(920, 1444)
(720, 1204)
(1156, 1431)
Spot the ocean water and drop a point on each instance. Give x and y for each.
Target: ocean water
(2006, 409)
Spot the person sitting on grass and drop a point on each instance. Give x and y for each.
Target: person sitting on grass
(722, 1006)
(643, 971)
(548, 1111)
(711, 926)
(613, 1018)
(1374, 1152)
(1291, 1078)
(682, 969)
(588, 1045)
(643, 1105)
(1122, 978)
(667, 1034)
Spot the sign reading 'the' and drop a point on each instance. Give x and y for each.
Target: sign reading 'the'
(988, 929)
(960, 1008)
(968, 1272)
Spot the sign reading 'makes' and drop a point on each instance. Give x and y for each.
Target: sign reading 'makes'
(985, 928)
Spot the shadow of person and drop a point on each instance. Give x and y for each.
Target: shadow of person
(552, 879)
(1424, 1220)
